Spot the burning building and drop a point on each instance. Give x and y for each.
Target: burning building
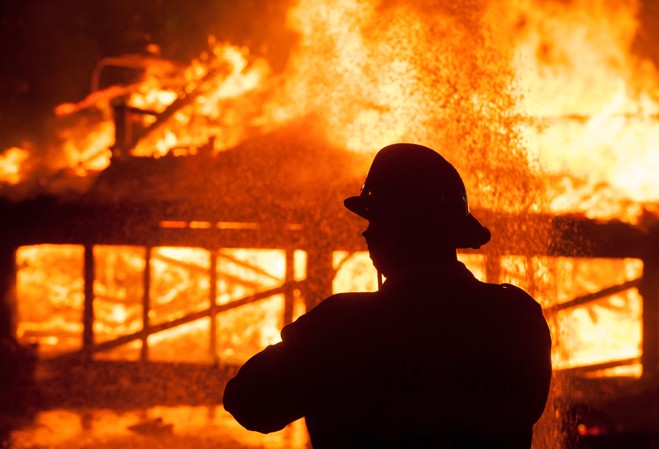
(189, 214)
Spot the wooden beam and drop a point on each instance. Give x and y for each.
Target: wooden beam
(197, 269)
(219, 308)
(213, 302)
(88, 305)
(649, 289)
(146, 303)
(590, 297)
(493, 268)
(8, 306)
(289, 295)
(600, 366)
(320, 275)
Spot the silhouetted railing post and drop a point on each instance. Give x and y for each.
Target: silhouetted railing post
(649, 289)
(320, 275)
(146, 304)
(492, 268)
(214, 253)
(88, 305)
(289, 295)
(8, 304)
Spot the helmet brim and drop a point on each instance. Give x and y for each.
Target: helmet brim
(469, 232)
(355, 204)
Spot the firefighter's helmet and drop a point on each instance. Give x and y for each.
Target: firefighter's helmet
(414, 186)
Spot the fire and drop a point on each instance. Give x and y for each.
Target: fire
(544, 107)
(217, 78)
(54, 273)
(605, 329)
(10, 165)
(591, 103)
(180, 286)
(550, 87)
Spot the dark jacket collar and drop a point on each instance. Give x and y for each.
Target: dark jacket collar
(453, 272)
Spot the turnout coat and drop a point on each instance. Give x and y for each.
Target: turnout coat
(435, 359)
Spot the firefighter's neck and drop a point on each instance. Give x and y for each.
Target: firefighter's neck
(438, 258)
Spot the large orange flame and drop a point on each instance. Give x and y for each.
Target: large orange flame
(546, 99)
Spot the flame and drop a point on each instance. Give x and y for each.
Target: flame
(551, 87)
(180, 285)
(547, 99)
(50, 292)
(10, 165)
(225, 73)
(591, 103)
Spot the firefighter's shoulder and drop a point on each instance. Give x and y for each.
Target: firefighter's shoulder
(510, 296)
(329, 314)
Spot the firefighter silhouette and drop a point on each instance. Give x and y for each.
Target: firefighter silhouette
(434, 359)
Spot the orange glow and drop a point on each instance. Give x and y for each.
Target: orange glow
(192, 426)
(602, 330)
(553, 87)
(543, 106)
(591, 103)
(50, 293)
(10, 165)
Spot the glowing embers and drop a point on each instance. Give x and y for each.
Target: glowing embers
(118, 298)
(589, 103)
(191, 305)
(187, 342)
(179, 224)
(355, 271)
(50, 297)
(243, 276)
(227, 304)
(605, 330)
(180, 283)
(11, 162)
(192, 426)
(592, 306)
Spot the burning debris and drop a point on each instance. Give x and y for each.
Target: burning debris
(187, 215)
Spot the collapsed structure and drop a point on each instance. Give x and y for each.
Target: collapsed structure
(177, 261)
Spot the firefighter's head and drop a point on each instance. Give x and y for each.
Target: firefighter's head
(415, 197)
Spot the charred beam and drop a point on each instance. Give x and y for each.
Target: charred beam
(47, 220)
(202, 270)
(649, 289)
(213, 303)
(7, 292)
(289, 297)
(146, 303)
(585, 299)
(88, 306)
(216, 309)
(601, 366)
(183, 99)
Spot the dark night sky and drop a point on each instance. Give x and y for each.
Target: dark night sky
(48, 49)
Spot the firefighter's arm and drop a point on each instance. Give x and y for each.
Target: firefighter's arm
(527, 359)
(272, 388)
(264, 396)
(534, 359)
